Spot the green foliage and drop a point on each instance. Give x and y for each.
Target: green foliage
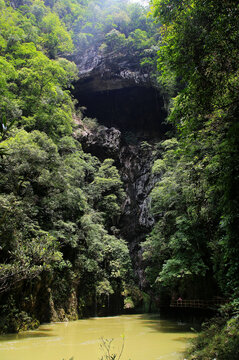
(106, 190)
(179, 246)
(34, 88)
(14, 320)
(59, 207)
(120, 27)
(63, 203)
(55, 38)
(115, 40)
(196, 200)
(218, 340)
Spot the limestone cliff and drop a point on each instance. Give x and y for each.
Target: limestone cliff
(134, 162)
(120, 94)
(130, 110)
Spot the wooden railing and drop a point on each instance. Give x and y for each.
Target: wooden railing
(197, 303)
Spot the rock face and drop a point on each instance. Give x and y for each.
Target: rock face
(134, 162)
(102, 142)
(130, 111)
(117, 92)
(111, 71)
(136, 220)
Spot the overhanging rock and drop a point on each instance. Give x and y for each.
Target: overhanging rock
(117, 92)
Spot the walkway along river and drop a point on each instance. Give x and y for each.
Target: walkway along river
(147, 337)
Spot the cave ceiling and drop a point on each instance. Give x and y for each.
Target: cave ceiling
(122, 98)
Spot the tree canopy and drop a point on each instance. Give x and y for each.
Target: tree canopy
(196, 200)
(58, 205)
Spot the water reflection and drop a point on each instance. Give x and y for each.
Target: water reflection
(26, 335)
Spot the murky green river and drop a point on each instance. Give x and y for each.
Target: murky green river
(146, 337)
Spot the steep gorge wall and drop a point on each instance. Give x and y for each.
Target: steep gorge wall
(130, 112)
(134, 163)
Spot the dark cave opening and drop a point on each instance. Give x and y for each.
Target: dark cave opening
(136, 111)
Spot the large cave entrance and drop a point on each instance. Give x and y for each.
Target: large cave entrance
(137, 111)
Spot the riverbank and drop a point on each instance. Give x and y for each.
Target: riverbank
(219, 338)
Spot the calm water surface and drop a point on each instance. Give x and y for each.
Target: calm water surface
(146, 338)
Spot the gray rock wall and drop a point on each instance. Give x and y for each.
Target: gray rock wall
(130, 110)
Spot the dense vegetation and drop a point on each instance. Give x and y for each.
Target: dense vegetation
(218, 340)
(116, 27)
(193, 249)
(196, 200)
(61, 254)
